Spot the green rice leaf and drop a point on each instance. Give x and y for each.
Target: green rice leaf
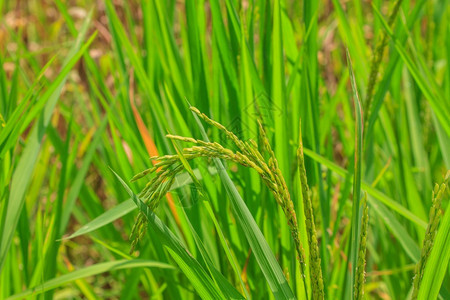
(356, 212)
(426, 84)
(93, 270)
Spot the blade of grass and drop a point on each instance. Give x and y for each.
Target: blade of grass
(10, 132)
(370, 190)
(81, 174)
(426, 84)
(87, 272)
(390, 220)
(356, 212)
(226, 247)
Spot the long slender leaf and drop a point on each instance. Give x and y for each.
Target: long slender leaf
(87, 272)
(356, 209)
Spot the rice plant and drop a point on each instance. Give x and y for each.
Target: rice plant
(153, 149)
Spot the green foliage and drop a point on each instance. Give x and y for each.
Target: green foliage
(89, 86)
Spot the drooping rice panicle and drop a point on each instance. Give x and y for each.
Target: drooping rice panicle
(248, 156)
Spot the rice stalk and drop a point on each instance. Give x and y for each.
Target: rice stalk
(430, 234)
(315, 261)
(360, 268)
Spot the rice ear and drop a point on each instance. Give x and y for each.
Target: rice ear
(248, 155)
(430, 234)
(360, 268)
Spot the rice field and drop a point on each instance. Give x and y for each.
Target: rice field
(236, 149)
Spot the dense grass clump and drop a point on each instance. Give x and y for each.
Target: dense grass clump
(234, 199)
